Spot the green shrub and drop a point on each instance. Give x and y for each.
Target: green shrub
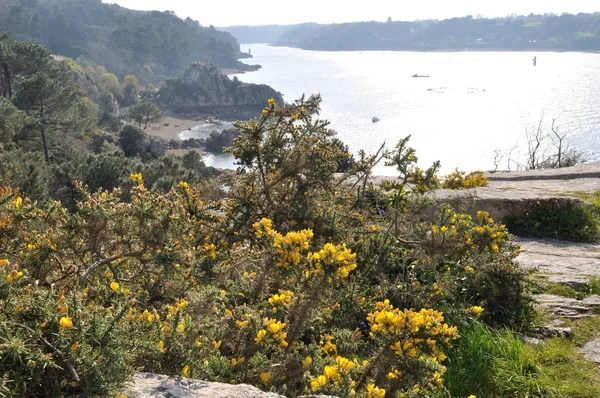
(572, 222)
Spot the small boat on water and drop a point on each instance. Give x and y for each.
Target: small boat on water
(375, 119)
(416, 75)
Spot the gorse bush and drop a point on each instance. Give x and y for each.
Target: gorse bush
(297, 282)
(462, 180)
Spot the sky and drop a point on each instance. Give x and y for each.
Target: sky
(248, 12)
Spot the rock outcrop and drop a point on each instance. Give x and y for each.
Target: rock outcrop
(569, 264)
(149, 385)
(205, 90)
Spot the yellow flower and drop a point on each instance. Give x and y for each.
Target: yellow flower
(181, 327)
(75, 346)
(114, 286)
(306, 362)
(344, 363)
(65, 322)
(331, 372)
(161, 347)
(18, 308)
(184, 185)
(476, 310)
(241, 324)
(185, 372)
(375, 392)
(4, 262)
(271, 101)
(318, 382)
(18, 202)
(264, 377)
(228, 313)
(260, 336)
(13, 276)
(471, 396)
(263, 228)
(217, 345)
(182, 303)
(137, 178)
(469, 269)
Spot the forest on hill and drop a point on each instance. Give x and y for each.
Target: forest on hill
(123, 41)
(565, 32)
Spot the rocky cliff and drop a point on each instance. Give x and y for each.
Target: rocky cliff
(205, 90)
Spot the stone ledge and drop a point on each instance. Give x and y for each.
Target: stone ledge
(150, 385)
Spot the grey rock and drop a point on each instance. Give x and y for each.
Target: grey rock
(592, 301)
(549, 331)
(317, 396)
(149, 385)
(591, 350)
(568, 263)
(562, 307)
(531, 340)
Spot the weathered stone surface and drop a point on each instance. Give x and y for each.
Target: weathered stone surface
(148, 385)
(205, 90)
(592, 301)
(568, 263)
(591, 350)
(550, 331)
(503, 202)
(585, 170)
(562, 307)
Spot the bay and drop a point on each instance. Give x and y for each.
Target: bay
(473, 103)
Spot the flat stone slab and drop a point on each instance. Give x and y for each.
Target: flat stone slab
(568, 263)
(149, 385)
(562, 307)
(585, 170)
(592, 301)
(591, 350)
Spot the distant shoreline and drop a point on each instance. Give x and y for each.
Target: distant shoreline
(465, 50)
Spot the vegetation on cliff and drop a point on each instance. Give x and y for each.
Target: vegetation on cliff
(123, 41)
(60, 123)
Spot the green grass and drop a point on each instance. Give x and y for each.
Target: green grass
(491, 363)
(542, 285)
(545, 286)
(585, 329)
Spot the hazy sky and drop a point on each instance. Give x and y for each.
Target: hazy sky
(256, 12)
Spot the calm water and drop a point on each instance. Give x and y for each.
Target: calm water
(472, 104)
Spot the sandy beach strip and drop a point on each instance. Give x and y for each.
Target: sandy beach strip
(171, 127)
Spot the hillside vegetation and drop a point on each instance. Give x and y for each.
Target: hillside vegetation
(123, 41)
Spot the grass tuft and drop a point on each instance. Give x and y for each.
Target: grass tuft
(491, 363)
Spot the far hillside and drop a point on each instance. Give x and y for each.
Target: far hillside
(122, 40)
(566, 32)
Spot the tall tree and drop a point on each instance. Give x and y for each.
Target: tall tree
(145, 112)
(54, 103)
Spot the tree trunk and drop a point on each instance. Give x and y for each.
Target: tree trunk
(43, 133)
(6, 85)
